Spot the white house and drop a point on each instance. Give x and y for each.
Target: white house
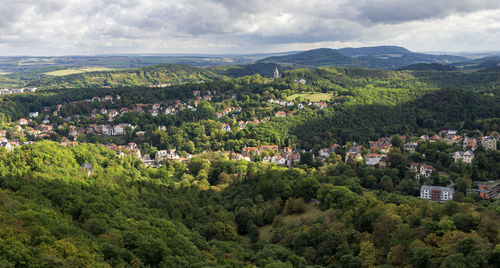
(278, 160)
(226, 127)
(5, 144)
(464, 156)
(373, 159)
(489, 142)
(160, 155)
(107, 130)
(421, 170)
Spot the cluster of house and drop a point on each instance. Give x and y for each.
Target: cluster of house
(162, 156)
(486, 189)
(160, 85)
(244, 124)
(45, 129)
(300, 106)
(107, 98)
(283, 157)
(9, 145)
(170, 84)
(209, 94)
(301, 81)
(227, 111)
(125, 150)
(7, 91)
(108, 130)
(377, 156)
(451, 137)
(154, 108)
(283, 103)
(470, 145)
(383, 145)
(377, 152)
(41, 131)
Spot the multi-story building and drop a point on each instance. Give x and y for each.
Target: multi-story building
(436, 193)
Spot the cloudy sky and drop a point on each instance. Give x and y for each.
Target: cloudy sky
(64, 27)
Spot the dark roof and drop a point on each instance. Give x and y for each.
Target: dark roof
(88, 166)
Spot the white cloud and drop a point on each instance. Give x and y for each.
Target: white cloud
(55, 27)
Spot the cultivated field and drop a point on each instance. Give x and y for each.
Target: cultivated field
(312, 96)
(78, 70)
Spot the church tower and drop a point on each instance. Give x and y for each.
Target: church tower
(276, 73)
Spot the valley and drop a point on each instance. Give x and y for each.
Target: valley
(260, 164)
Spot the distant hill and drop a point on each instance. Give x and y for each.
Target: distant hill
(315, 57)
(482, 63)
(428, 67)
(372, 51)
(381, 57)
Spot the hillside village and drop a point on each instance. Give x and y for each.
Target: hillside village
(374, 154)
(9, 91)
(111, 121)
(41, 123)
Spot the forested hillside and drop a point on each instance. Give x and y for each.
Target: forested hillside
(56, 213)
(169, 74)
(71, 195)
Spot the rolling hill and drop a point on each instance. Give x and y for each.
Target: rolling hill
(428, 67)
(315, 57)
(168, 74)
(480, 63)
(381, 57)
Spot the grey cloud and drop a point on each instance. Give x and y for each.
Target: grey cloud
(397, 11)
(98, 25)
(13, 11)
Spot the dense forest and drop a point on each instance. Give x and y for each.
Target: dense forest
(217, 212)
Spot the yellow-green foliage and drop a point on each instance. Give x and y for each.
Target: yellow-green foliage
(78, 71)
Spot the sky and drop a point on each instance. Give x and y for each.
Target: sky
(91, 27)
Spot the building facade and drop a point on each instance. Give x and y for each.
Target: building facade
(436, 193)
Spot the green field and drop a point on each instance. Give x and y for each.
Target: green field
(312, 96)
(78, 70)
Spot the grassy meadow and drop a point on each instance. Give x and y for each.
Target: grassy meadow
(78, 70)
(312, 96)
